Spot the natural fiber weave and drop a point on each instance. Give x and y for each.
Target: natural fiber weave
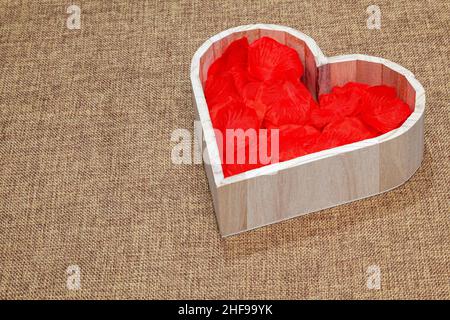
(86, 176)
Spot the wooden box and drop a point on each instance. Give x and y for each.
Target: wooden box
(320, 180)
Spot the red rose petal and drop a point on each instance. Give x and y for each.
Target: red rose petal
(219, 89)
(320, 117)
(254, 97)
(241, 160)
(240, 78)
(228, 101)
(233, 62)
(346, 103)
(341, 132)
(383, 90)
(340, 102)
(383, 111)
(292, 104)
(257, 153)
(235, 116)
(296, 141)
(271, 60)
(349, 86)
(234, 56)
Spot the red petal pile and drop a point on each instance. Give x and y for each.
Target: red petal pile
(264, 113)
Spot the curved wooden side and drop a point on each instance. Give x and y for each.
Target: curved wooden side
(319, 184)
(400, 151)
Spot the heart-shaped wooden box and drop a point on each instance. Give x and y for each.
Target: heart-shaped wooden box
(320, 180)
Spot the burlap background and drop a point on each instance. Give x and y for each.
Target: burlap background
(86, 176)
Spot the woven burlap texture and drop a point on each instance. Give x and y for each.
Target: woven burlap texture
(86, 178)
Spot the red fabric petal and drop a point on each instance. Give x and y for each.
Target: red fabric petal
(349, 86)
(241, 159)
(383, 111)
(383, 90)
(320, 117)
(256, 154)
(296, 141)
(234, 56)
(225, 103)
(240, 78)
(346, 102)
(254, 96)
(235, 116)
(232, 63)
(219, 89)
(341, 132)
(290, 103)
(271, 60)
(234, 168)
(340, 102)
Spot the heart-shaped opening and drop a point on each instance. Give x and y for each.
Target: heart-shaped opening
(320, 76)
